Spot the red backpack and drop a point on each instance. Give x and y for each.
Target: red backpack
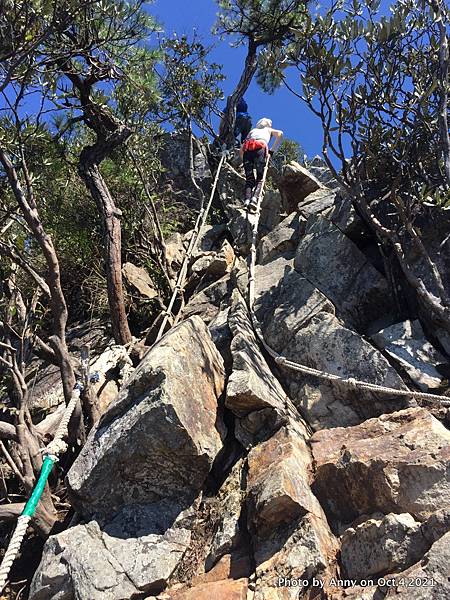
(250, 145)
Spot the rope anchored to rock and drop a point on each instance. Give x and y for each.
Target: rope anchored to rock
(294, 366)
(51, 453)
(193, 243)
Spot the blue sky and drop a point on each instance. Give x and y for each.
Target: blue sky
(286, 111)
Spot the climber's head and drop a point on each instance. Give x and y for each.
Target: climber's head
(262, 123)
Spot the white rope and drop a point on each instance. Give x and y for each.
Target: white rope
(13, 549)
(281, 360)
(55, 447)
(58, 445)
(193, 243)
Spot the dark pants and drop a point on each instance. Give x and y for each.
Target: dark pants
(243, 126)
(253, 160)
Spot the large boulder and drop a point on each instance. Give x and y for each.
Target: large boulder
(282, 239)
(316, 203)
(295, 302)
(208, 302)
(295, 184)
(298, 322)
(253, 393)
(383, 545)
(333, 263)
(161, 435)
(267, 280)
(324, 344)
(398, 463)
(406, 344)
(123, 560)
(427, 579)
(140, 280)
(279, 474)
(290, 534)
(293, 557)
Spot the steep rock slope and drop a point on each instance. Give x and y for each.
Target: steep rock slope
(217, 474)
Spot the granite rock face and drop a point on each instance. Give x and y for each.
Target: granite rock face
(295, 185)
(406, 344)
(253, 393)
(383, 545)
(399, 462)
(335, 265)
(161, 434)
(110, 564)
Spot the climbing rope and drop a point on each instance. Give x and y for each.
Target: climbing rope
(193, 243)
(51, 453)
(289, 364)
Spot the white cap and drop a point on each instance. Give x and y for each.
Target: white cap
(263, 123)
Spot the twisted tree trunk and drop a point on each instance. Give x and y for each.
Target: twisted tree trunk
(89, 171)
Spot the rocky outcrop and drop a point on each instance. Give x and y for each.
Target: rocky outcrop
(295, 185)
(381, 546)
(331, 262)
(314, 487)
(406, 344)
(138, 278)
(298, 322)
(253, 394)
(396, 463)
(122, 561)
(159, 440)
(428, 578)
(326, 345)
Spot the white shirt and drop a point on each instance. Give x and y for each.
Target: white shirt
(262, 134)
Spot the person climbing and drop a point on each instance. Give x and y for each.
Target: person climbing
(254, 154)
(243, 123)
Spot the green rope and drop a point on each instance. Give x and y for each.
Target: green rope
(47, 467)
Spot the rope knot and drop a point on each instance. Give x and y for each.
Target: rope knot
(56, 447)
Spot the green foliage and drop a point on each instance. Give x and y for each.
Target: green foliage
(190, 84)
(373, 80)
(287, 151)
(271, 25)
(266, 22)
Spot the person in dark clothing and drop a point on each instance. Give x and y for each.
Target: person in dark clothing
(243, 123)
(254, 152)
(254, 160)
